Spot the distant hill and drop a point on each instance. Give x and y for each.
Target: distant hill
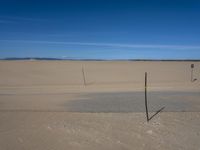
(45, 58)
(30, 58)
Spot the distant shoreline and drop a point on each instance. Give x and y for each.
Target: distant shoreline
(59, 59)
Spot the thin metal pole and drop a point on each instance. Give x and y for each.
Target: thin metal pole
(192, 75)
(146, 104)
(83, 76)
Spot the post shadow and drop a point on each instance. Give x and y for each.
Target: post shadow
(156, 113)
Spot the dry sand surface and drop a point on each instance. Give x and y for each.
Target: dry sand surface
(88, 131)
(45, 105)
(122, 75)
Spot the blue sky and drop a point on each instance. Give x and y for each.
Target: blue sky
(100, 29)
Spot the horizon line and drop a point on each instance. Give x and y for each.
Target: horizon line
(89, 59)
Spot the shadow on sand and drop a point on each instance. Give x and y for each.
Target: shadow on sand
(157, 112)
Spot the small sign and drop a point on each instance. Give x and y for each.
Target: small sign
(192, 65)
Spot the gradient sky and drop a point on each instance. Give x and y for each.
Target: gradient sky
(100, 29)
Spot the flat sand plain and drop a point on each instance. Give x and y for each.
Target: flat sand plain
(48, 105)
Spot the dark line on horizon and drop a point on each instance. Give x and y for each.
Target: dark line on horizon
(80, 59)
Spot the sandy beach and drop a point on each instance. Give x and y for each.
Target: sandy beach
(99, 105)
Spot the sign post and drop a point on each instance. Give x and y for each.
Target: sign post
(146, 104)
(84, 81)
(192, 67)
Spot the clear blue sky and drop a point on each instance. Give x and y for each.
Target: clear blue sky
(100, 29)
